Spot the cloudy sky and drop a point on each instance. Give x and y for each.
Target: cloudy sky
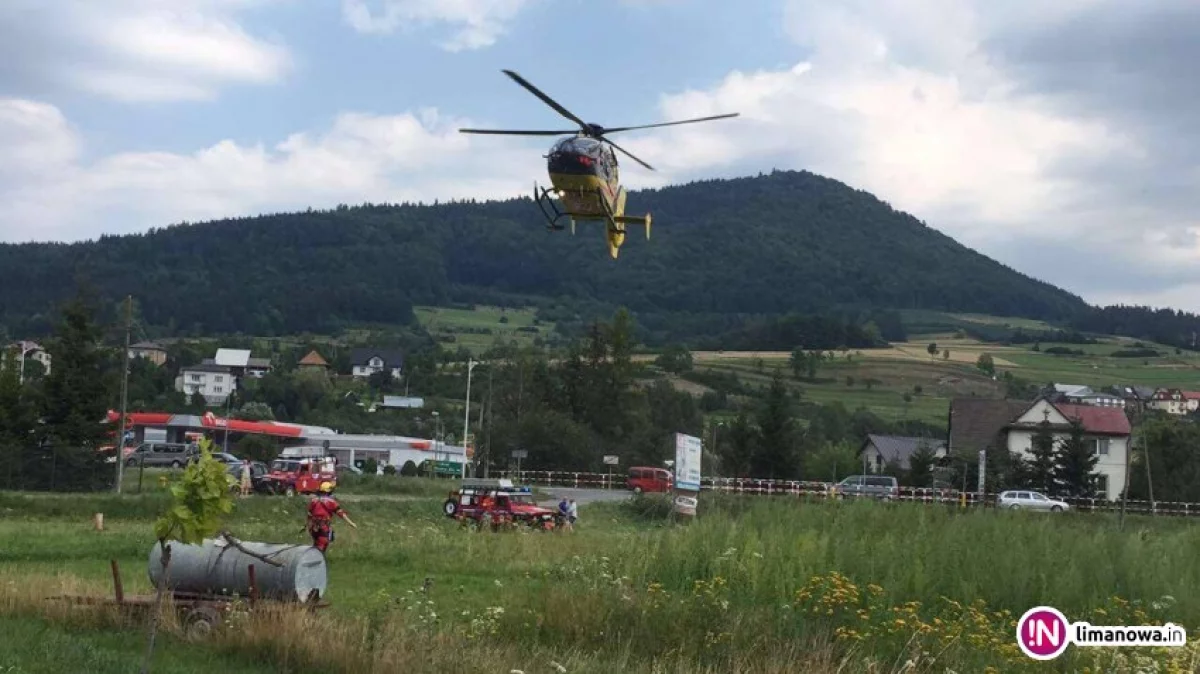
(1057, 137)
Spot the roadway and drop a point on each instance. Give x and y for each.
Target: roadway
(582, 496)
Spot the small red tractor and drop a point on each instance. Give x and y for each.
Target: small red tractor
(496, 504)
(300, 476)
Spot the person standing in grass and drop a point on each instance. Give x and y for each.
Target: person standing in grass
(246, 483)
(321, 511)
(572, 515)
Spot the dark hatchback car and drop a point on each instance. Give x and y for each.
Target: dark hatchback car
(258, 477)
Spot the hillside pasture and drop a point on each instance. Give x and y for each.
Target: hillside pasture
(480, 328)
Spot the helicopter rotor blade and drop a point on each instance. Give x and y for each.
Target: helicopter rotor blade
(629, 154)
(546, 99)
(508, 132)
(682, 121)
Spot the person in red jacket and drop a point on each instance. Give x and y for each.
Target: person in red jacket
(321, 510)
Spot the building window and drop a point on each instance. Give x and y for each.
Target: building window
(1102, 486)
(195, 377)
(220, 378)
(218, 389)
(1102, 446)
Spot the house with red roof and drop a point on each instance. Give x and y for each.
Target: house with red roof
(1175, 401)
(977, 424)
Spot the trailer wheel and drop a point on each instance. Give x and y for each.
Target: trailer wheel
(200, 622)
(450, 507)
(290, 491)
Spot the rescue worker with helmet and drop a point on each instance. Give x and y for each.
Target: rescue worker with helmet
(321, 510)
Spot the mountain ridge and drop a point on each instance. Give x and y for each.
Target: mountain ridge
(776, 243)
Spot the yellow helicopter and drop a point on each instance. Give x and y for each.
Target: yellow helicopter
(583, 172)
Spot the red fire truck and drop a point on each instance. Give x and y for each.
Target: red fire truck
(301, 476)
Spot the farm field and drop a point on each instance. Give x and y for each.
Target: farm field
(754, 585)
(901, 368)
(479, 329)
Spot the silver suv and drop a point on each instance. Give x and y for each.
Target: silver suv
(160, 454)
(880, 487)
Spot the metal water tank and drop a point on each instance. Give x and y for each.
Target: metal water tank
(215, 567)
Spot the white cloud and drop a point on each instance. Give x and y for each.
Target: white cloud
(478, 22)
(901, 99)
(138, 50)
(408, 157)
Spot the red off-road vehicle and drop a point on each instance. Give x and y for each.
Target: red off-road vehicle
(300, 476)
(497, 502)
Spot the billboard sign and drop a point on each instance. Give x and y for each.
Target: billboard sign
(611, 460)
(687, 462)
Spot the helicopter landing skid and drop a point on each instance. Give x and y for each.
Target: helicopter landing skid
(544, 200)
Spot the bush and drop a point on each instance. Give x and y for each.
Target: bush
(389, 469)
(370, 466)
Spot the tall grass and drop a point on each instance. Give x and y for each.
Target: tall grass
(753, 585)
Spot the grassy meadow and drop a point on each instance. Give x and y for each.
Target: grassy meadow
(480, 328)
(903, 367)
(753, 585)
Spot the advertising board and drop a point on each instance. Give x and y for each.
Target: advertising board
(687, 462)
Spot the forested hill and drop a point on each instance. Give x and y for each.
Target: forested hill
(784, 242)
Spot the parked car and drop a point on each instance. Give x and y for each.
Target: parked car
(1029, 500)
(643, 479)
(259, 482)
(348, 468)
(880, 487)
(160, 454)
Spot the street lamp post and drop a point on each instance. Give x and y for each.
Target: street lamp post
(437, 437)
(471, 363)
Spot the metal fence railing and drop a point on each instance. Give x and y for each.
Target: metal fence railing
(824, 490)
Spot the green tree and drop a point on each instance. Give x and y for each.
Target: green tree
(777, 456)
(1041, 464)
(675, 358)
(986, 364)
(798, 362)
(18, 421)
(1170, 445)
(738, 447)
(256, 448)
(946, 354)
(932, 348)
(920, 466)
(832, 461)
(77, 394)
(1075, 464)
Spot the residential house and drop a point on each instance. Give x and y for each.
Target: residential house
(313, 362)
(150, 351)
(366, 362)
(1078, 394)
(879, 450)
(1175, 401)
(32, 351)
(994, 425)
(214, 382)
(241, 363)
(1136, 397)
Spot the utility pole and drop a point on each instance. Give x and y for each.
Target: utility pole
(471, 363)
(487, 457)
(1149, 479)
(1125, 490)
(124, 394)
